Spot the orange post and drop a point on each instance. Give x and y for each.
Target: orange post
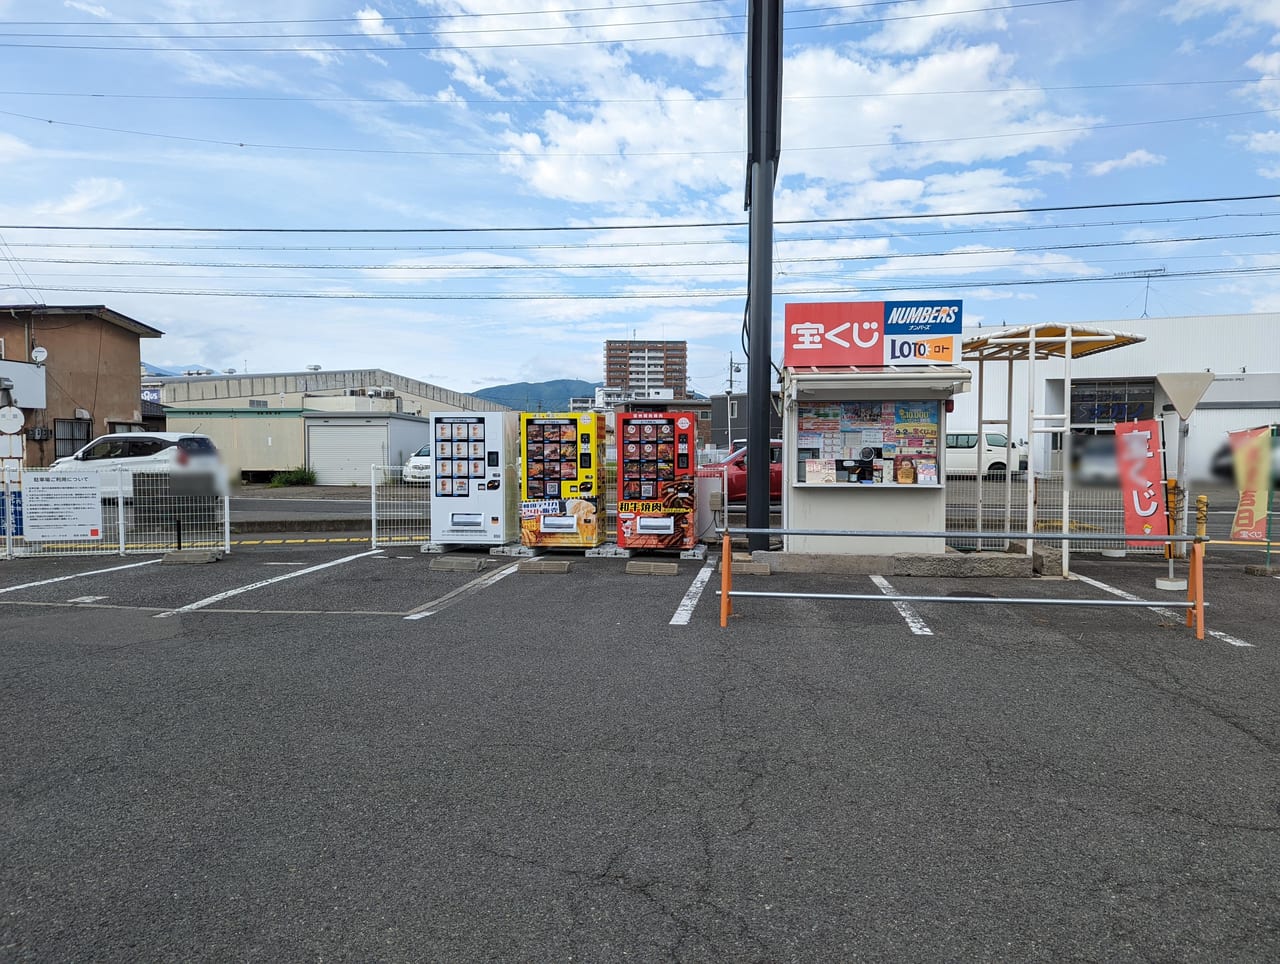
(726, 580)
(1197, 579)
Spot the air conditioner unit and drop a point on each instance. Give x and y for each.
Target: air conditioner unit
(82, 413)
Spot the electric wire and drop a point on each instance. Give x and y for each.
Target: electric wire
(496, 153)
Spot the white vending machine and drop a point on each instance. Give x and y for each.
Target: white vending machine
(475, 492)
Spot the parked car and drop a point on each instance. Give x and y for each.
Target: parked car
(418, 468)
(963, 456)
(734, 469)
(1223, 465)
(117, 458)
(1093, 459)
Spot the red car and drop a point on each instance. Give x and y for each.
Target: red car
(734, 469)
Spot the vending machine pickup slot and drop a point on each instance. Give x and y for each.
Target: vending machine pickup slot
(559, 523)
(647, 526)
(462, 519)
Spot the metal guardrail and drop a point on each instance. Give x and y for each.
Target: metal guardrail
(1195, 582)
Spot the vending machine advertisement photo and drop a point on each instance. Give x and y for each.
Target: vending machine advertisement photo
(474, 497)
(656, 477)
(562, 480)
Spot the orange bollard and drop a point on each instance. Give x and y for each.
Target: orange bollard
(1197, 578)
(726, 580)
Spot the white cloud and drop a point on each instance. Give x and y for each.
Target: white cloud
(91, 9)
(375, 28)
(12, 149)
(1138, 158)
(87, 194)
(1049, 168)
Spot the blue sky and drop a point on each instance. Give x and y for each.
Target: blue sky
(372, 140)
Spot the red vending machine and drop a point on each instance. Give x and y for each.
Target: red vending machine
(656, 472)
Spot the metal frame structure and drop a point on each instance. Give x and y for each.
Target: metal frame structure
(1030, 344)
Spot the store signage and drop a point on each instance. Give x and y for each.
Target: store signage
(871, 333)
(1252, 451)
(1137, 457)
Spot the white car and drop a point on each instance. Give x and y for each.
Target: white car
(963, 457)
(418, 468)
(116, 458)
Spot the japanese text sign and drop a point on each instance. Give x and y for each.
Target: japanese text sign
(1137, 456)
(871, 333)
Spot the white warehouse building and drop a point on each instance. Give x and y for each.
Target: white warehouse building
(1242, 351)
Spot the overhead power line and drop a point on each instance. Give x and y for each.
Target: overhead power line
(500, 267)
(664, 244)
(393, 48)
(400, 152)
(680, 226)
(736, 293)
(426, 101)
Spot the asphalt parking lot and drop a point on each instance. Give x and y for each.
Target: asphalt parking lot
(323, 751)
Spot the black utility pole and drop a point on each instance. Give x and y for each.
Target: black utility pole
(764, 109)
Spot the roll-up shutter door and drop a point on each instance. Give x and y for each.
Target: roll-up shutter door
(342, 454)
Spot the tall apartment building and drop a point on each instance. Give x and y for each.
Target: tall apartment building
(645, 365)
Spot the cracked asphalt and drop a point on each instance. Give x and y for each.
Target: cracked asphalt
(546, 768)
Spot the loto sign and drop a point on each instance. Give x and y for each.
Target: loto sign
(871, 333)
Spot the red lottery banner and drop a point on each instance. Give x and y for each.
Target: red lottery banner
(1138, 458)
(1251, 450)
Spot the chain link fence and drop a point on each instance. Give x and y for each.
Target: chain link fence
(112, 513)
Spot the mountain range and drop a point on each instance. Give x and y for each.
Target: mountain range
(552, 396)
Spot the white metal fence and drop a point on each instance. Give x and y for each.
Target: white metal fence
(1093, 509)
(401, 511)
(159, 512)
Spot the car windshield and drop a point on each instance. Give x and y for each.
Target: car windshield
(424, 452)
(197, 446)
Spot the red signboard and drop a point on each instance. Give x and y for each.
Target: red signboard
(1252, 451)
(1138, 458)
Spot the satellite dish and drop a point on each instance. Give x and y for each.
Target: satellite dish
(38, 355)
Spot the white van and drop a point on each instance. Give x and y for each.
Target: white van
(963, 455)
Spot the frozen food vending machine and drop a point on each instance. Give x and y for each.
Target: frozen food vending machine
(656, 478)
(562, 502)
(474, 492)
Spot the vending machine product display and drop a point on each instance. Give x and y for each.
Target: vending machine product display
(562, 480)
(656, 478)
(473, 492)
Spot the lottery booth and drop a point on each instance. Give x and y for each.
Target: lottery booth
(866, 387)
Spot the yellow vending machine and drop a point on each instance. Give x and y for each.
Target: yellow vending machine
(562, 497)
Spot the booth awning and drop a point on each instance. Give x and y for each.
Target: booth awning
(933, 379)
(1051, 340)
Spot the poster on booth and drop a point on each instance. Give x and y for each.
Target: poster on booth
(656, 480)
(1141, 483)
(871, 334)
(561, 503)
(1251, 450)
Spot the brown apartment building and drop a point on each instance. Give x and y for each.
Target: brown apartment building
(88, 358)
(641, 366)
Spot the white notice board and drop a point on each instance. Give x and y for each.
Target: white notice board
(56, 507)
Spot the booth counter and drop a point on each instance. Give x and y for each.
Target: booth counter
(862, 449)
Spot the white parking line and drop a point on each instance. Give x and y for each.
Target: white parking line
(1178, 614)
(917, 625)
(475, 585)
(210, 600)
(684, 612)
(94, 572)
